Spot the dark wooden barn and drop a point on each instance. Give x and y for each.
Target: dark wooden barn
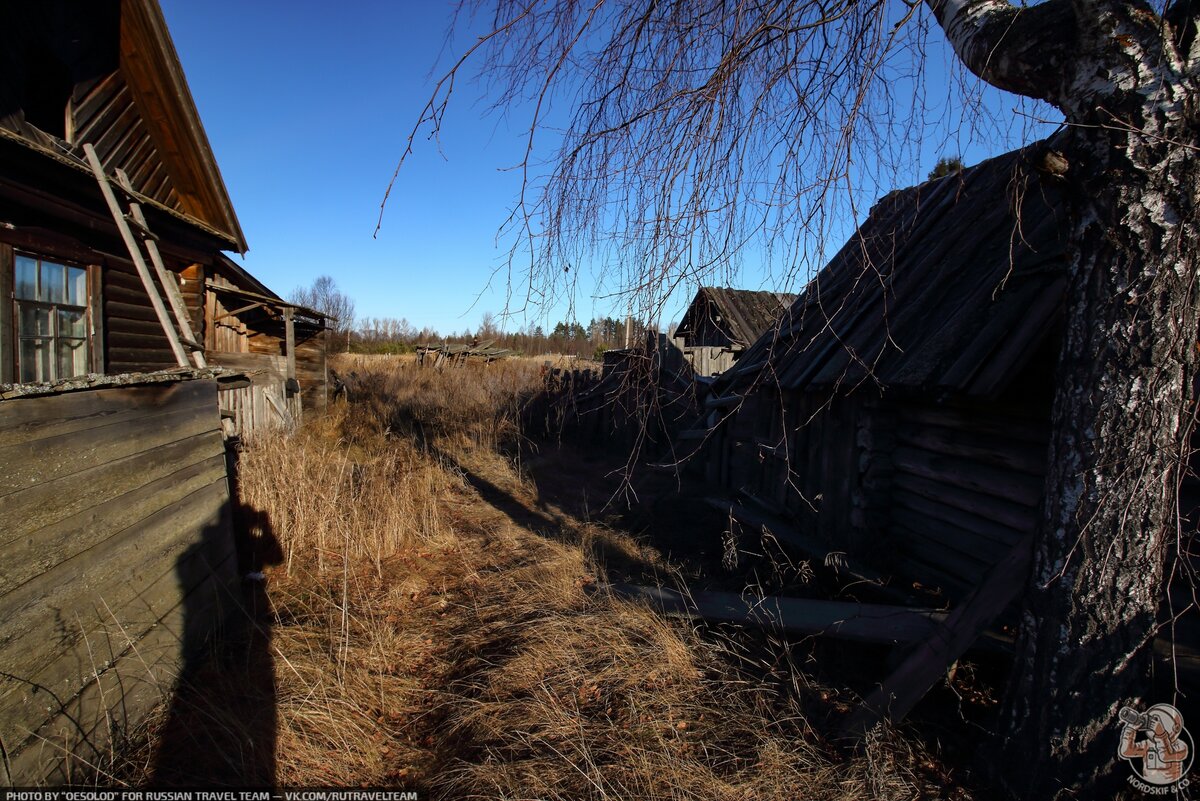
(896, 423)
(114, 490)
(900, 412)
(720, 323)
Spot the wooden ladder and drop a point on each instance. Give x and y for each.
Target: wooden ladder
(178, 330)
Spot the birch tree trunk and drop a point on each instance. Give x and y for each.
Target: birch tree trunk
(1125, 78)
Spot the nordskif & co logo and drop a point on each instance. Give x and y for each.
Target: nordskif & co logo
(1157, 747)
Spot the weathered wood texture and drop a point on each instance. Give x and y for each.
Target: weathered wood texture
(239, 331)
(927, 492)
(105, 115)
(967, 484)
(264, 405)
(119, 562)
(708, 360)
(134, 339)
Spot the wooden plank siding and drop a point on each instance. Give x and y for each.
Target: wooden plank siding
(248, 407)
(119, 561)
(256, 339)
(937, 493)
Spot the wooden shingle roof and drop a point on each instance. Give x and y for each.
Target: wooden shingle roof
(944, 287)
(744, 314)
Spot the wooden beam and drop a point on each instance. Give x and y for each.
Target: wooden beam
(874, 623)
(96, 317)
(8, 324)
(289, 324)
(239, 310)
(136, 254)
(928, 662)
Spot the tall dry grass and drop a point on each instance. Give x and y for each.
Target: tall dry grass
(422, 638)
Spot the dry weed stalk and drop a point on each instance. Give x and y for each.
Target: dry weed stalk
(422, 638)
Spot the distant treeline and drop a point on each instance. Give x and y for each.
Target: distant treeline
(389, 335)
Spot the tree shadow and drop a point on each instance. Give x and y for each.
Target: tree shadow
(221, 727)
(545, 523)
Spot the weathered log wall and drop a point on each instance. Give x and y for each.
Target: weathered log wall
(934, 493)
(119, 561)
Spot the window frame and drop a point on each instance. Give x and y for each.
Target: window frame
(10, 352)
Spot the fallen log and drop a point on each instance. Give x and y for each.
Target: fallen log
(874, 623)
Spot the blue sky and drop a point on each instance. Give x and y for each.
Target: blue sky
(307, 105)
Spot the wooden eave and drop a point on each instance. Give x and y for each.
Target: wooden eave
(268, 300)
(155, 76)
(83, 202)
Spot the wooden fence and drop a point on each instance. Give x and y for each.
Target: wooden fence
(263, 404)
(119, 559)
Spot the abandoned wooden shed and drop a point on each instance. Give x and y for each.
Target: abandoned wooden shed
(279, 346)
(720, 323)
(115, 493)
(900, 412)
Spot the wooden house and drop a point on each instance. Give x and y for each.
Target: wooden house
(900, 412)
(721, 323)
(114, 491)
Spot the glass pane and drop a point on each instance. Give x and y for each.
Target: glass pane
(26, 280)
(72, 323)
(35, 360)
(35, 321)
(76, 286)
(54, 283)
(72, 357)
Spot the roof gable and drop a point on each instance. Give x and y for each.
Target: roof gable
(942, 287)
(113, 79)
(742, 314)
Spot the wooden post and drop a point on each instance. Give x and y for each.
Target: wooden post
(96, 316)
(8, 326)
(289, 324)
(135, 253)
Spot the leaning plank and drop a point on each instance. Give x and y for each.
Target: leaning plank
(907, 685)
(140, 263)
(876, 623)
(285, 417)
(165, 278)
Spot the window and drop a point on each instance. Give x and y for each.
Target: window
(52, 319)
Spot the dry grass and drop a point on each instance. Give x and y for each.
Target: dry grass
(422, 638)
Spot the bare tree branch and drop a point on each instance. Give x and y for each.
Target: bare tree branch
(1022, 50)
